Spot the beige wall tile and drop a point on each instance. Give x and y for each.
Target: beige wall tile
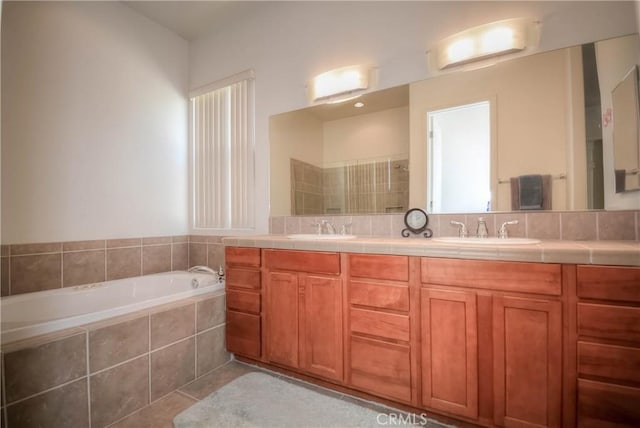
(36, 273)
(172, 367)
(214, 239)
(215, 255)
(381, 225)
(276, 225)
(202, 239)
(172, 324)
(119, 342)
(292, 224)
(32, 370)
(578, 226)
(48, 247)
(197, 254)
(180, 256)
(180, 239)
(211, 350)
(127, 242)
(157, 240)
(5, 250)
(543, 225)
(5, 290)
(617, 225)
(83, 267)
(119, 391)
(84, 245)
(211, 312)
(156, 258)
(61, 407)
(123, 263)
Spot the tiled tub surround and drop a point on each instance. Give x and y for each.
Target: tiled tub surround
(33, 267)
(550, 225)
(99, 373)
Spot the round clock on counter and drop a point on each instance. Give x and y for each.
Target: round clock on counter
(416, 221)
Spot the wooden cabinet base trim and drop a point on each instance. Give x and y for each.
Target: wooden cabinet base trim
(602, 404)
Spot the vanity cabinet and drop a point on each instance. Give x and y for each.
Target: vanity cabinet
(303, 311)
(608, 346)
(380, 354)
(457, 300)
(243, 301)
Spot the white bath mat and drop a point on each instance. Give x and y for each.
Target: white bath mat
(258, 400)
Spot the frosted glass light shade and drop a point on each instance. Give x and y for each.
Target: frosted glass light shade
(482, 42)
(341, 81)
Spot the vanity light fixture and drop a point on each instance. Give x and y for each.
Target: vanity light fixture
(340, 84)
(484, 41)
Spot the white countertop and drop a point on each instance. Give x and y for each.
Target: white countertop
(622, 253)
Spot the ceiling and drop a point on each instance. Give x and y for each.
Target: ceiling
(192, 19)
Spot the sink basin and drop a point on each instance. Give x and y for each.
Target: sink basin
(316, 237)
(487, 241)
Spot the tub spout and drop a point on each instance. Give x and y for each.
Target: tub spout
(202, 269)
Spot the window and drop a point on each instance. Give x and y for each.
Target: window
(222, 141)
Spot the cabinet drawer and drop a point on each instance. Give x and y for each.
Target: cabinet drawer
(243, 301)
(542, 278)
(303, 261)
(614, 362)
(386, 296)
(242, 256)
(243, 334)
(609, 283)
(381, 368)
(390, 326)
(602, 404)
(243, 278)
(609, 322)
(395, 268)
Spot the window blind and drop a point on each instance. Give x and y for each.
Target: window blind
(223, 157)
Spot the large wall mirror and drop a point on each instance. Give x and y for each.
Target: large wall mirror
(466, 141)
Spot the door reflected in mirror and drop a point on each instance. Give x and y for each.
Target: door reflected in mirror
(459, 159)
(626, 143)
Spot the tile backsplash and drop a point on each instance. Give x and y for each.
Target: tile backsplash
(26, 268)
(569, 225)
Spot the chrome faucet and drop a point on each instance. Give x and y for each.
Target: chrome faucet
(329, 227)
(462, 231)
(206, 269)
(482, 231)
(503, 233)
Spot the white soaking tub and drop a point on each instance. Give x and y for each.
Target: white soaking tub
(31, 314)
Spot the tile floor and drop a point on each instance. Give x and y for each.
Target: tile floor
(160, 414)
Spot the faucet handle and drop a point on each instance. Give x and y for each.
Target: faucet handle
(318, 226)
(345, 229)
(462, 231)
(503, 232)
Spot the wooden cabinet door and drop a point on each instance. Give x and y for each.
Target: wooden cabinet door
(321, 326)
(527, 344)
(281, 318)
(450, 351)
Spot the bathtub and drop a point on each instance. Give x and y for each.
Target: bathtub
(32, 314)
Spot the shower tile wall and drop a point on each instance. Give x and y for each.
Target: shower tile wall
(376, 187)
(306, 188)
(26, 268)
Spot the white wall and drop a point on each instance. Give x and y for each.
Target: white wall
(287, 43)
(381, 134)
(94, 135)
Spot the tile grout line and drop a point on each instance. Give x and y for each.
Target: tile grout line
(62, 385)
(195, 341)
(88, 377)
(185, 394)
(149, 354)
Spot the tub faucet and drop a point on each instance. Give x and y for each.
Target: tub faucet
(202, 269)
